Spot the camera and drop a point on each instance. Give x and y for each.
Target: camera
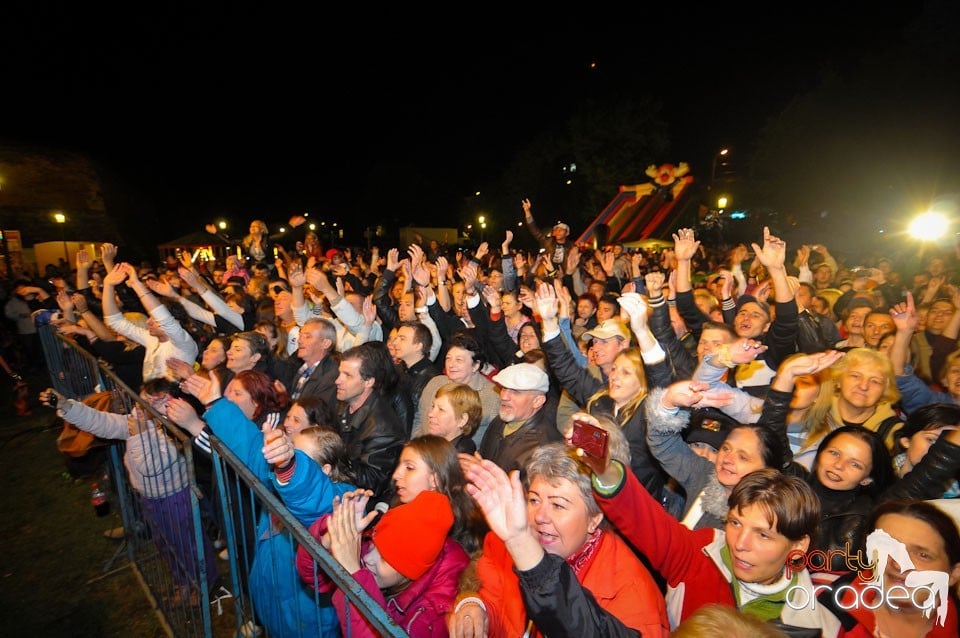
(590, 438)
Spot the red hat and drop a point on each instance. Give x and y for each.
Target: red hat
(409, 537)
(331, 253)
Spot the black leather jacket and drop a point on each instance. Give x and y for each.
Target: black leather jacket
(374, 436)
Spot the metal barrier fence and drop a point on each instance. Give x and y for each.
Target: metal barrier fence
(171, 496)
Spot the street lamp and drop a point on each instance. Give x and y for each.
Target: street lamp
(721, 154)
(61, 219)
(483, 226)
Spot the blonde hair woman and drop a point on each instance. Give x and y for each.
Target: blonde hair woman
(860, 389)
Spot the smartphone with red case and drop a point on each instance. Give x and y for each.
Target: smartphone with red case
(590, 438)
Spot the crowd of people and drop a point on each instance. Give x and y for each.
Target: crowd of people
(767, 416)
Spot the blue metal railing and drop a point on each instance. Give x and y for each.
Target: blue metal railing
(166, 535)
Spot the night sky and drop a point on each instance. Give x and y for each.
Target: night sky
(251, 110)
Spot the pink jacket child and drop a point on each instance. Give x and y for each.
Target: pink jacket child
(413, 542)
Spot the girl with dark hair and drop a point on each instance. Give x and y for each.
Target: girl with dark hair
(707, 484)
(430, 462)
(412, 568)
(919, 432)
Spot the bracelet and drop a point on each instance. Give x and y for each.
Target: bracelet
(470, 600)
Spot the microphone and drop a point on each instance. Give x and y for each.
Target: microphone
(381, 508)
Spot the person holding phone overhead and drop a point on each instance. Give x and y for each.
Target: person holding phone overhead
(625, 392)
(550, 565)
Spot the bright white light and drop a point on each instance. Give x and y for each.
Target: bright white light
(928, 226)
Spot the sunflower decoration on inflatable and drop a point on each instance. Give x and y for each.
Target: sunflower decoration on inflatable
(666, 174)
(667, 180)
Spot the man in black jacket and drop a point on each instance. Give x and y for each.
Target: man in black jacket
(410, 345)
(371, 430)
(317, 358)
(524, 423)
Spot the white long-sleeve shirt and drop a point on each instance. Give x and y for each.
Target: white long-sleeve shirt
(179, 343)
(154, 465)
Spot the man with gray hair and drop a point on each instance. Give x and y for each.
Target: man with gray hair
(314, 370)
(523, 423)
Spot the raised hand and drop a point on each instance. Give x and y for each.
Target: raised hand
(684, 244)
(418, 265)
(654, 282)
(726, 283)
(525, 297)
(635, 306)
(116, 276)
(443, 268)
(393, 259)
(186, 260)
(546, 299)
(773, 252)
(192, 278)
(598, 465)
(108, 253)
(493, 298)
(803, 365)
(278, 448)
(182, 413)
(696, 394)
(180, 368)
(130, 270)
(762, 292)
(83, 260)
(65, 302)
(295, 275)
(369, 310)
(606, 262)
(742, 350)
(159, 287)
(207, 389)
(468, 272)
(527, 208)
(79, 303)
(637, 260)
(573, 259)
(904, 315)
(564, 298)
(482, 250)
(738, 254)
(500, 497)
(416, 254)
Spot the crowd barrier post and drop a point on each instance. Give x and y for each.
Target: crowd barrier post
(178, 584)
